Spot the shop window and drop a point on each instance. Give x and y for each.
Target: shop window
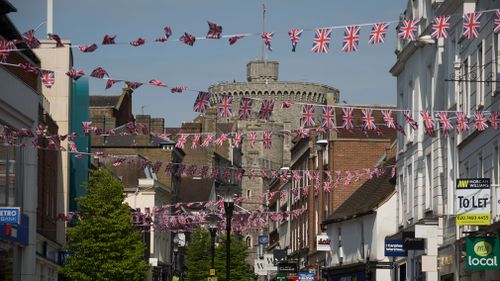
(8, 190)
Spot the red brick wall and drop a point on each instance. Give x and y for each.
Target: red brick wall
(351, 155)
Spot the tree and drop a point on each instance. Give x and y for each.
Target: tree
(104, 245)
(199, 259)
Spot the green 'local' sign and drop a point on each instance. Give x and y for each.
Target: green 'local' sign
(483, 253)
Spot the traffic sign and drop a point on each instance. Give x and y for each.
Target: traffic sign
(212, 272)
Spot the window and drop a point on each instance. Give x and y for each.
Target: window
(401, 205)
(480, 77)
(8, 188)
(409, 206)
(248, 242)
(465, 87)
(249, 193)
(428, 181)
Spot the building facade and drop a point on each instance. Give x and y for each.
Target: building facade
(448, 74)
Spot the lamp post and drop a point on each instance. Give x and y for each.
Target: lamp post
(228, 207)
(212, 227)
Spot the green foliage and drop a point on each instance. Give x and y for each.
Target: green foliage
(103, 245)
(199, 259)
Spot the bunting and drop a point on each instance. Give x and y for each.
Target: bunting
(267, 38)
(471, 25)
(351, 39)
(214, 31)
(308, 115)
(202, 102)
(408, 29)
(321, 42)
(378, 33)
(224, 107)
(266, 109)
(294, 35)
(440, 27)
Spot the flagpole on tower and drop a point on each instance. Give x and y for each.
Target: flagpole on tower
(50, 9)
(264, 55)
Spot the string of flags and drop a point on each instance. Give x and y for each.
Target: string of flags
(159, 219)
(407, 29)
(346, 177)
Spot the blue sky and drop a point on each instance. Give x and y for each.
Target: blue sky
(361, 77)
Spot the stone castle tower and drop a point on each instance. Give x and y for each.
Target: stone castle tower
(262, 83)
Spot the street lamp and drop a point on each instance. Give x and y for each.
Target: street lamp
(212, 227)
(228, 207)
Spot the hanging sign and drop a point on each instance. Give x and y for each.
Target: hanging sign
(482, 253)
(394, 248)
(306, 276)
(323, 243)
(473, 205)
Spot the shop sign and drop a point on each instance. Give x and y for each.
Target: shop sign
(10, 215)
(263, 239)
(287, 268)
(259, 267)
(306, 276)
(269, 263)
(281, 277)
(323, 243)
(482, 253)
(17, 233)
(394, 248)
(473, 204)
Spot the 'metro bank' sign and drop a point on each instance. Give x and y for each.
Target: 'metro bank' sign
(483, 253)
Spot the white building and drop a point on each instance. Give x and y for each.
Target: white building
(19, 105)
(429, 166)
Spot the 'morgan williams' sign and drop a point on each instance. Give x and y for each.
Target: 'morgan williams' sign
(473, 202)
(483, 253)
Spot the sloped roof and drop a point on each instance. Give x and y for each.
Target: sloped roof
(103, 101)
(368, 197)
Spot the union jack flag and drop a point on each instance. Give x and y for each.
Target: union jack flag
(48, 78)
(133, 85)
(408, 30)
(167, 32)
(286, 104)
(328, 117)
(237, 139)
(220, 140)
(138, 42)
(351, 39)
(118, 162)
(87, 127)
(108, 39)
(267, 140)
(428, 122)
(208, 139)
(5, 47)
(225, 106)
(321, 41)
(233, 39)
(496, 21)
(214, 31)
(30, 39)
(495, 119)
(445, 123)
(203, 172)
(462, 122)
(378, 32)
(266, 109)
(155, 82)
(195, 141)
(294, 35)
(178, 89)
(389, 120)
(347, 118)
(267, 37)
(409, 119)
(110, 83)
(28, 68)
(87, 48)
(368, 119)
(252, 139)
(440, 27)
(308, 115)
(75, 74)
(187, 39)
(245, 108)
(56, 38)
(480, 121)
(302, 133)
(202, 102)
(99, 73)
(471, 25)
(181, 141)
